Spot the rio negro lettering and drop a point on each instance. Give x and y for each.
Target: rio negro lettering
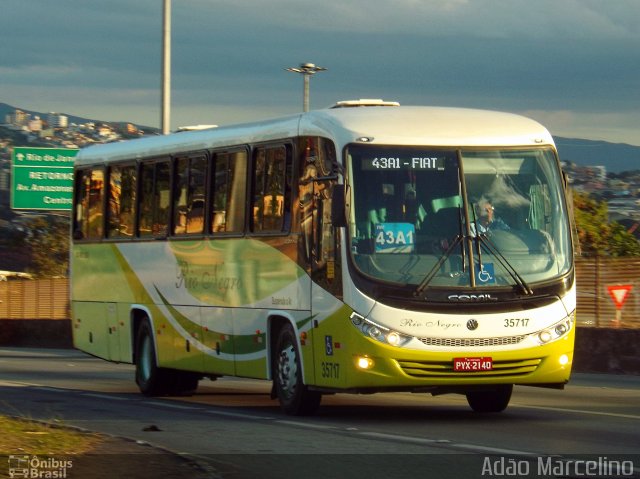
(209, 279)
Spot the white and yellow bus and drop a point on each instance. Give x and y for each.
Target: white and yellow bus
(350, 249)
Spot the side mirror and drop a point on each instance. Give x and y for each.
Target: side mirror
(338, 210)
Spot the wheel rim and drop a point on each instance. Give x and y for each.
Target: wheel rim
(288, 371)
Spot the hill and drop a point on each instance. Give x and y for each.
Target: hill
(616, 157)
(6, 109)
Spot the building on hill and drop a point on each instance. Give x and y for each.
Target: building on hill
(57, 120)
(18, 118)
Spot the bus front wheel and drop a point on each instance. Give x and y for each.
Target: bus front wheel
(295, 398)
(490, 400)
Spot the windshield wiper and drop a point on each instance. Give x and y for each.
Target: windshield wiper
(463, 252)
(427, 279)
(481, 238)
(504, 262)
(457, 240)
(477, 240)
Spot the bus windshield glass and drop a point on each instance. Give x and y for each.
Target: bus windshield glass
(486, 217)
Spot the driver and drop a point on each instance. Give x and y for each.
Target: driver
(487, 220)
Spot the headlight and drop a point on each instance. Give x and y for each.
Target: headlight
(555, 331)
(378, 332)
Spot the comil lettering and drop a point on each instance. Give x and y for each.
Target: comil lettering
(471, 297)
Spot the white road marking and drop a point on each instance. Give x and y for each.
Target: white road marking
(239, 415)
(105, 396)
(578, 411)
(172, 406)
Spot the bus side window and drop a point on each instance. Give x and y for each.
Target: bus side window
(79, 206)
(229, 192)
(161, 199)
(271, 190)
(147, 181)
(180, 194)
(188, 195)
(122, 201)
(154, 199)
(89, 201)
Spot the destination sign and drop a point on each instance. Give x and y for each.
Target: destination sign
(403, 163)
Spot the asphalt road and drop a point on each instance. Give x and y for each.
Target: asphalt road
(232, 426)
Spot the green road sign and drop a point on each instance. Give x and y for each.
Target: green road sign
(42, 178)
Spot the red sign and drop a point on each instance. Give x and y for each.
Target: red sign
(619, 294)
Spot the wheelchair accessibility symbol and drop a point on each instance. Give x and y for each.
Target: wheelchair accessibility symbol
(486, 274)
(328, 345)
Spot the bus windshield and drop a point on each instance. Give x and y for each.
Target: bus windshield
(432, 217)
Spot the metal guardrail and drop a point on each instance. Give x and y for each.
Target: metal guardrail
(35, 299)
(596, 305)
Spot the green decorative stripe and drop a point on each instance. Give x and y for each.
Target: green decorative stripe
(135, 285)
(238, 344)
(303, 322)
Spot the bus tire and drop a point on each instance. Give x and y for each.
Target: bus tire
(490, 400)
(294, 396)
(151, 380)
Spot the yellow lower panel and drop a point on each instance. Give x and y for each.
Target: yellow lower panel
(397, 368)
(426, 368)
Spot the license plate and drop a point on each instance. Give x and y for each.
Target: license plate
(472, 364)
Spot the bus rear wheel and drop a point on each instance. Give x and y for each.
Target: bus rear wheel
(490, 400)
(294, 396)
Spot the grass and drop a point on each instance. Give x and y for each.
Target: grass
(44, 442)
(21, 436)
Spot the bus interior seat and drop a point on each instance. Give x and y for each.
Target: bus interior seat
(447, 202)
(526, 241)
(444, 223)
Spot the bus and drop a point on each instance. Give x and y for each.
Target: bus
(342, 250)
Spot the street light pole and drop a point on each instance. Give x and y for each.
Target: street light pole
(306, 70)
(166, 67)
(305, 92)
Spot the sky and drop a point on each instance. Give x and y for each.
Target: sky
(573, 65)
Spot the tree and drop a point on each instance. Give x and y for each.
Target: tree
(48, 241)
(596, 234)
(622, 242)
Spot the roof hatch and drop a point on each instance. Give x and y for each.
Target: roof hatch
(364, 102)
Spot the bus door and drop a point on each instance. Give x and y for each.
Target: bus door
(113, 328)
(326, 292)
